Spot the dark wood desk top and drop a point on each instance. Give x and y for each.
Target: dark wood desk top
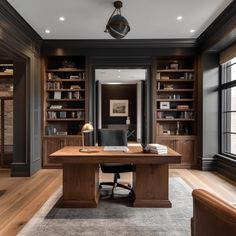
(71, 154)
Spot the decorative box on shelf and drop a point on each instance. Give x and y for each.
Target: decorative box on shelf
(166, 132)
(61, 133)
(164, 105)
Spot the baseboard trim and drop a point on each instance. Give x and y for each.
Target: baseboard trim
(20, 170)
(207, 163)
(226, 166)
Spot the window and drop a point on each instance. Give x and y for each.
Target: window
(228, 108)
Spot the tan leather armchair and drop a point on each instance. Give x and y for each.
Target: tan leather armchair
(212, 216)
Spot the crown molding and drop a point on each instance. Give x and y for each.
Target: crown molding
(221, 32)
(11, 19)
(124, 43)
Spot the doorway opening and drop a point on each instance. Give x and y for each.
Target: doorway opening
(6, 112)
(13, 87)
(120, 100)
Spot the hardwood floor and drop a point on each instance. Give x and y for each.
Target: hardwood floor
(210, 181)
(21, 198)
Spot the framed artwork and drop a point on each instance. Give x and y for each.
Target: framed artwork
(119, 107)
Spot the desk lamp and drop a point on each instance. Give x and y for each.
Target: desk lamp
(87, 128)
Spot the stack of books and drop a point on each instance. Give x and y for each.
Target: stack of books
(182, 107)
(157, 148)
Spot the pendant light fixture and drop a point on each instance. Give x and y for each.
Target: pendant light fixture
(117, 26)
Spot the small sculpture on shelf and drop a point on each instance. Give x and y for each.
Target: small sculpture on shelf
(68, 64)
(178, 130)
(127, 120)
(174, 65)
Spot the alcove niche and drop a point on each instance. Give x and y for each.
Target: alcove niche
(120, 100)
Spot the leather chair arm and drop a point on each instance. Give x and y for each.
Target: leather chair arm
(211, 215)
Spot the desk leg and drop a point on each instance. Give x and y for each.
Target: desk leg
(151, 186)
(80, 185)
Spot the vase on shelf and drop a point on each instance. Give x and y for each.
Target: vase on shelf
(128, 120)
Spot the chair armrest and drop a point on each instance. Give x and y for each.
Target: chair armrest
(212, 215)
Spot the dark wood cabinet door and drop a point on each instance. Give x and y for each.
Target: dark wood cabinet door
(74, 141)
(187, 149)
(49, 146)
(53, 144)
(185, 145)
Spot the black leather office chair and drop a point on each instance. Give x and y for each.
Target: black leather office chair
(113, 137)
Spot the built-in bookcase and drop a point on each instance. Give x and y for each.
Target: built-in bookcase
(64, 102)
(176, 105)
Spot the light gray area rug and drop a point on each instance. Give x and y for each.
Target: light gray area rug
(116, 217)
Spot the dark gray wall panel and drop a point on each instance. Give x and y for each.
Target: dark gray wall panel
(210, 104)
(22, 45)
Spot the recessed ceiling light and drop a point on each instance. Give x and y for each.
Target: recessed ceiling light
(192, 30)
(47, 31)
(118, 70)
(118, 76)
(62, 18)
(179, 18)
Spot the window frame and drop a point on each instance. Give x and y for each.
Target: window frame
(225, 107)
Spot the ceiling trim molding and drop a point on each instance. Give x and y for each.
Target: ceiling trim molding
(110, 62)
(125, 43)
(221, 32)
(11, 19)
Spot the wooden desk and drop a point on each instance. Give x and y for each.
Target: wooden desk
(81, 181)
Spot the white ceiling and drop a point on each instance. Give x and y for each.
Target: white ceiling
(148, 19)
(120, 75)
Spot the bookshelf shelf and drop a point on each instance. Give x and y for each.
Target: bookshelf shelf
(65, 80)
(64, 90)
(175, 71)
(66, 100)
(174, 110)
(67, 109)
(174, 120)
(175, 100)
(67, 119)
(174, 80)
(65, 70)
(174, 90)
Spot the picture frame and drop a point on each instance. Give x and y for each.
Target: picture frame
(119, 107)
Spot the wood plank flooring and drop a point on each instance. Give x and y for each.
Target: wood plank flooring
(21, 198)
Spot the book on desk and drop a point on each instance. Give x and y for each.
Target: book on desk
(116, 148)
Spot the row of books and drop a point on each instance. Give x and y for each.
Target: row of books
(69, 95)
(53, 85)
(52, 76)
(64, 115)
(187, 76)
(167, 105)
(175, 115)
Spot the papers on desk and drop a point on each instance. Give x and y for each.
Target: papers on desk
(116, 148)
(157, 148)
